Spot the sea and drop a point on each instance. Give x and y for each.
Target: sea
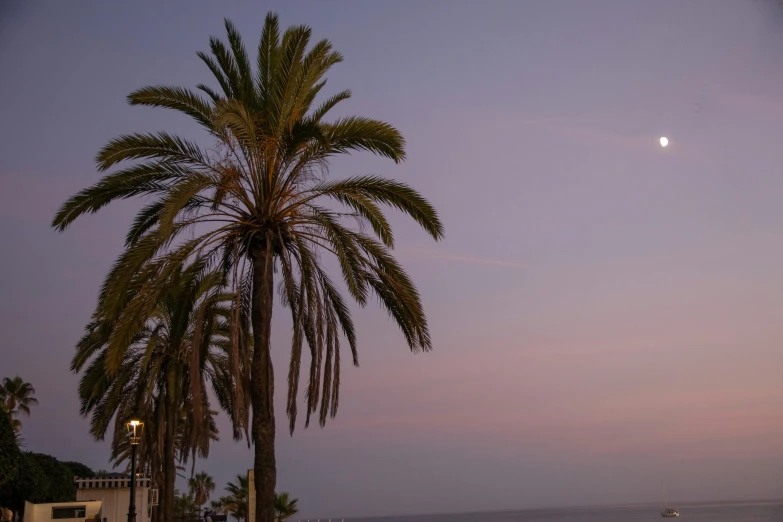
(771, 511)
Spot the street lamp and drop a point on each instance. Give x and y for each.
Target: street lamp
(135, 430)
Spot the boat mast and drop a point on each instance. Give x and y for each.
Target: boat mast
(665, 496)
(664, 500)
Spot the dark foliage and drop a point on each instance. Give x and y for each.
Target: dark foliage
(9, 451)
(40, 478)
(78, 469)
(61, 485)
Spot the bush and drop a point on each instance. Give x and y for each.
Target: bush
(61, 485)
(9, 451)
(31, 484)
(41, 478)
(78, 469)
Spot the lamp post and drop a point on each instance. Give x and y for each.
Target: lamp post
(135, 429)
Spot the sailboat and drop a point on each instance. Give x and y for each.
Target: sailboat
(666, 511)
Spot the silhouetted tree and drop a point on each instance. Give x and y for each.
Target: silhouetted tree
(256, 203)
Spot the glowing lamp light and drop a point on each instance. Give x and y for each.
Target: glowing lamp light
(135, 431)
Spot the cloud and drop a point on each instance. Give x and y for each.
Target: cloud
(427, 253)
(594, 135)
(599, 137)
(753, 103)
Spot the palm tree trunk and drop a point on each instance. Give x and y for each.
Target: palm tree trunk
(155, 466)
(262, 382)
(169, 465)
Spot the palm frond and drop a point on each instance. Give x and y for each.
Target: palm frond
(138, 180)
(176, 98)
(242, 63)
(357, 133)
(150, 146)
(329, 104)
(388, 192)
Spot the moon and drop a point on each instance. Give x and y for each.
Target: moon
(664, 141)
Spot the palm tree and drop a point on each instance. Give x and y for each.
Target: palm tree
(201, 487)
(185, 508)
(162, 375)
(221, 505)
(257, 202)
(150, 451)
(238, 494)
(16, 397)
(285, 507)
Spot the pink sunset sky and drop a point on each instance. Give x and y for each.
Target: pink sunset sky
(605, 313)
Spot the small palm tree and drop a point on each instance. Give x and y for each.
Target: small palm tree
(285, 507)
(16, 396)
(238, 494)
(222, 505)
(201, 487)
(258, 203)
(185, 508)
(163, 374)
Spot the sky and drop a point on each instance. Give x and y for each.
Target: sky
(605, 313)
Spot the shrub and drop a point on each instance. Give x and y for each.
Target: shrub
(61, 485)
(40, 478)
(9, 451)
(79, 470)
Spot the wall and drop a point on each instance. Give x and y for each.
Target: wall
(115, 502)
(43, 512)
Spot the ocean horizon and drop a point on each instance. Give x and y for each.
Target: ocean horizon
(765, 510)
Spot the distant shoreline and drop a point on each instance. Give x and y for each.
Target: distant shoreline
(701, 503)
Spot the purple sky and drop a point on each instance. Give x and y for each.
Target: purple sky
(605, 312)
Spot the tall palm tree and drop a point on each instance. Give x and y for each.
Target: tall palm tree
(201, 486)
(285, 507)
(16, 396)
(162, 375)
(257, 202)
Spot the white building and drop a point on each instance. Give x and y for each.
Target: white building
(62, 511)
(114, 494)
